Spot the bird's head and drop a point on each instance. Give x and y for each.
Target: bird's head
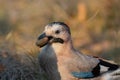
(55, 32)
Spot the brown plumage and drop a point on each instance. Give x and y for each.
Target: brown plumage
(59, 59)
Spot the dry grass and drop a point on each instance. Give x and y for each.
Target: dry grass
(19, 67)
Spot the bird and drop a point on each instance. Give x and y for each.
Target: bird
(61, 61)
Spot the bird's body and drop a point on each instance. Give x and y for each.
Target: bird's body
(67, 61)
(61, 61)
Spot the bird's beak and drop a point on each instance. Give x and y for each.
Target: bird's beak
(42, 40)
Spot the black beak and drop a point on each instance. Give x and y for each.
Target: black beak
(42, 40)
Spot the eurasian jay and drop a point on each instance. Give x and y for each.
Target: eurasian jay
(61, 61)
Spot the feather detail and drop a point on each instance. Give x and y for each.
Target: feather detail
(82, 74)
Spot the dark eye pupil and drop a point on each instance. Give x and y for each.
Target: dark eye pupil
(57, 32)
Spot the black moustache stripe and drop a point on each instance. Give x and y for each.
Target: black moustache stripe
(58, 40)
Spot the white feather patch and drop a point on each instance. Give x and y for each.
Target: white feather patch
(103, 69)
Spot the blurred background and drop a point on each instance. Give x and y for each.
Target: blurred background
(94, 24)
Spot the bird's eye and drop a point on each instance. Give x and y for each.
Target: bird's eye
(57, 32)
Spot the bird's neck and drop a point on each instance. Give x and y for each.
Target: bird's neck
(63, 49)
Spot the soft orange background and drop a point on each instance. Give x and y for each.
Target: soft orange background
(95, 24)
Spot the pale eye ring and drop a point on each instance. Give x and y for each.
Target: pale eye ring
(57, 32)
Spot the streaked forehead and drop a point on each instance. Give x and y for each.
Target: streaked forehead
(54, 27)
(58, 26)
